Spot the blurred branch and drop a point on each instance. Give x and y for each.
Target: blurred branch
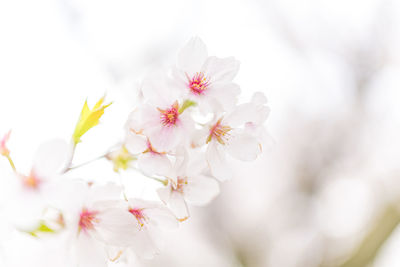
(375, 239)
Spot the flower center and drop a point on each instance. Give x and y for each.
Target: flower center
(219, 132)
(198, 83)
(182, 181)
(138, 213)
(31, 181)
(169, 117)
(87, 219)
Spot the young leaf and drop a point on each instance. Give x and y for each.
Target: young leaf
(41, 228)
(187, 104)
(88, 119)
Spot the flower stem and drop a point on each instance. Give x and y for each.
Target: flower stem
(11, 163)
(163, 181)
(85, 163)
(375, 239)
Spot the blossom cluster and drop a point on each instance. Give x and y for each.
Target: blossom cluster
(185, 128)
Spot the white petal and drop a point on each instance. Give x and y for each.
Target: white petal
(51, 157)
(143, 245)
(89, 252)
(259, 98)
(225, 94)
(221, 69)
(247, 113)
(199, 137)
(217, 162)
(134, 121)
(197, 163)
(192, 56)
(178, 205)
(116, 227)
(152, 163)
(109, 191)
(201, 190)
(243, 147)
(161, 217)
(159, 90)
(135, 143)
(164, 193)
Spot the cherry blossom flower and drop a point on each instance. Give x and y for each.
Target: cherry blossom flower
(149, 160)
(184, 126)
(238, 134)
(29, 194)
(151, 218)
(94, 222)
(162, 118)
(189, 186)
(207, 80)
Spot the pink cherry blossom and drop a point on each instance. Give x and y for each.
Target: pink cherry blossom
(207, 80)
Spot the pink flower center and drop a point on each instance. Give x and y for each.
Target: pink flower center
(169, 117)
(219, 132)
(198, 83)
(138, 213)
(87, 219)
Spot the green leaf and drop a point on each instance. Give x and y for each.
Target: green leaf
(88, 119)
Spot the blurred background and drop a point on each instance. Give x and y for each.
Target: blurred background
(327, 193)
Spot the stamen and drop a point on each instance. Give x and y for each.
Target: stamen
(182, 181)
(87, 219)
(169, 117)
(138, 213)
(198, 83)
(219, 132)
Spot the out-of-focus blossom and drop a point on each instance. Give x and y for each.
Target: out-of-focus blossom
(121, 158)
(29, 194)
(95, 222)
(3, 144)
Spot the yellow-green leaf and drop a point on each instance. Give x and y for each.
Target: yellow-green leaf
(88, 119)
(41, 228)
(186, 104)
